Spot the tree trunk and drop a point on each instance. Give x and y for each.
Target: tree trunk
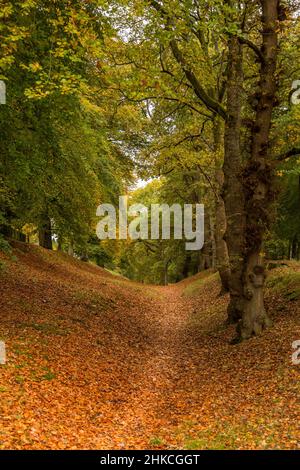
(84, 256)
(222, 258)
(45, 234)
(186, 265)
(164, 275)
(205, 258)
(59, 244)
(290, 250)
(71, 249)
(294, 247)
(255, 317)
(212, 226)
(233, 191)
(258, 180)
(166, 280)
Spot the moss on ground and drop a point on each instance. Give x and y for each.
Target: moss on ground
(286, 283)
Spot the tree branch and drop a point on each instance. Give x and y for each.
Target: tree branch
(199, 90)
(252, 46)
(290, 153)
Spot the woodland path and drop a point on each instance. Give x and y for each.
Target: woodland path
(153, 402)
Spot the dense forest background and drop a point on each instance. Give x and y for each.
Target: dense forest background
(104, 95)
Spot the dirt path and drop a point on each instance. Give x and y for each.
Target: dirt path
(152, 405)
(150, 402)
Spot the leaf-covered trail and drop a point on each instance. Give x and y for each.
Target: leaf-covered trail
(96, 361)
(153, 403)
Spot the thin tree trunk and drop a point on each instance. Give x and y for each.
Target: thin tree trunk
(71, 249)
(45, 234)
(205, 257)
(212, 227)
(166, 273)
(294, 248)
(59, 244)
(186, 265)
(222, 258)
(84, 256)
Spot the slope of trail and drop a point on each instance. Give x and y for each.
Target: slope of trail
(96, 361)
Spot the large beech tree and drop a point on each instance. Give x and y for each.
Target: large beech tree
(247, 37)
(248, 188)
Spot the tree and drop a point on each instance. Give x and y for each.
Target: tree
(250, 44)
(60, 149)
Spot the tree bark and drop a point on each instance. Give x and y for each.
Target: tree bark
(71, 248)
(294, 247)
(205, 257)
(84, 256)
(45, 233)
(59, 244)
(186, 265)
(166, 267)
(233, 191)
(258, 179)
(212, 228)
(222, 258)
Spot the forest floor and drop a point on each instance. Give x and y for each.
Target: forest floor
(95, 361)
